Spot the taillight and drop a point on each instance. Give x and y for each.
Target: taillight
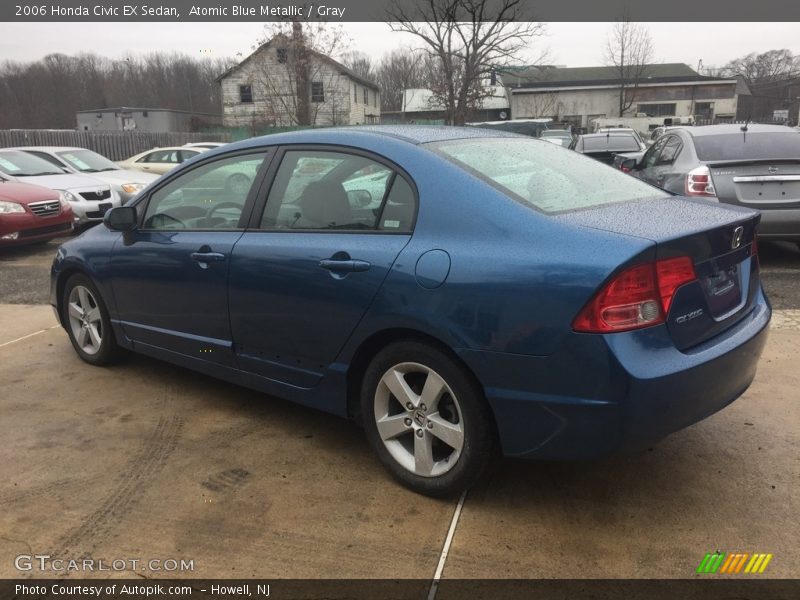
(638, 297)
(699, 183)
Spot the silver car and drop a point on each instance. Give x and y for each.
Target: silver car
(125, 182)
(757, 166)
(89, 198)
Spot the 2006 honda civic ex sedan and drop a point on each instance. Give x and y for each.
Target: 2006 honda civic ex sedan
(456, 290)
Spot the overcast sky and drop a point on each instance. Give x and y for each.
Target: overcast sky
(570, 44)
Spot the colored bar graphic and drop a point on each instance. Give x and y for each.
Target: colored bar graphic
(734, 563)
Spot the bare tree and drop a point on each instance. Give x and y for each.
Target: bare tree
(291, 58)
(467, 39)
(399, 70)
(770, 66)
(48, 92)
(360, 64)
(629, 49)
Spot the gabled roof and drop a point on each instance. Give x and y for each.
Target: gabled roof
(545, 76)
(342, 69)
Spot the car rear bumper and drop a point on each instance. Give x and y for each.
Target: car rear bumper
(783, 224)
(602, 394)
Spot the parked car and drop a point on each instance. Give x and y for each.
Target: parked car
(160, 160)
(31, 213)
(89, 198)
(450, 319)
(205, 145)
(757, 166)
(604, 146)
(125, 182)
(560, 137)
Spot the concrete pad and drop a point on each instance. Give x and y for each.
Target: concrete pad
(729, 483)
(18, 320)
(148, 461)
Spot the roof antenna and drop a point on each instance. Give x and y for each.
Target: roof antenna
(744, 127)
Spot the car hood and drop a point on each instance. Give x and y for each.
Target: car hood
(66, 181)
(24, 193)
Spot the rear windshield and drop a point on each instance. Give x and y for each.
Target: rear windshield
(746, 146)
(544, 175)
(614, 143)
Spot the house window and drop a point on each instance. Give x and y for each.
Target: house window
(355, 94)
(657, 110)
(246, 94)
(375, 99)
(317, 92)
(283, 55)
(144, 113)
(704, 110)
(366, 96)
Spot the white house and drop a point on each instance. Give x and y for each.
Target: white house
(263, 90)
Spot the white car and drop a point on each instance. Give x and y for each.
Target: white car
(160, 160)
(89, 198)
(127, 183)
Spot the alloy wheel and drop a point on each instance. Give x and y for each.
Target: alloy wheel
(85, 320)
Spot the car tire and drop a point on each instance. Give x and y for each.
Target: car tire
(86, 320)
(427, 419)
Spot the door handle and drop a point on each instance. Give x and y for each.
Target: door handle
(349, 266)
(207, 257)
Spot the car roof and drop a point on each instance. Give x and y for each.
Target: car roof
(412, 134)
(728, 128)
(49, 148)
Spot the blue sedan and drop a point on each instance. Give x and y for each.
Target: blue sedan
(457, 291)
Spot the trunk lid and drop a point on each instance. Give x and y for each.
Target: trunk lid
(762, 184)
(718, 238)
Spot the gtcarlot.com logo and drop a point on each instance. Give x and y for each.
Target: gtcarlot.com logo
(734, 563)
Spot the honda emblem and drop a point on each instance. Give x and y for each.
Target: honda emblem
(736, 241)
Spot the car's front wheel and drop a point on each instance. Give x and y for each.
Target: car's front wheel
(87, 322)
(427, 419)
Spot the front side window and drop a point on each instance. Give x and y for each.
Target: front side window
(317, 92)
(542, 175)
(321, 190)
(211, 196)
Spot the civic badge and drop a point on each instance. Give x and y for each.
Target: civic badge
(736, 241)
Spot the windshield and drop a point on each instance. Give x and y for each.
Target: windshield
(22, 164)
(747, 146)
(545, 176)
(87, 161)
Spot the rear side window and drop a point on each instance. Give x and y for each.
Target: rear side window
(746, 146)
(543, 175)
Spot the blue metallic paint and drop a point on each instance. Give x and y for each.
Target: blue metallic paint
(515, 280)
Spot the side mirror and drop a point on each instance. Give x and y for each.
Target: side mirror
(121, 218)
(359, 198)
(629, 164)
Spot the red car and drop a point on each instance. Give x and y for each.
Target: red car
(31, 213)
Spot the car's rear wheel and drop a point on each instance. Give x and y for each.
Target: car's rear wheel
(87, 322)
(427, 419)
